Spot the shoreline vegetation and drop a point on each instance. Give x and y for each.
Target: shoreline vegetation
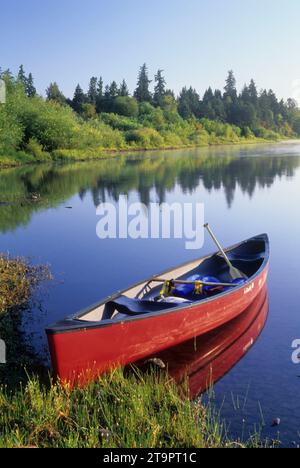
(107, 120)
(120, 410)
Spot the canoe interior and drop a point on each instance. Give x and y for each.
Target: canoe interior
(248, 257)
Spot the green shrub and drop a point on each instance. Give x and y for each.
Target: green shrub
(117, 122)
(11, 132)
(34, 148)
(145, 138)
(126, 106)
(266, 134)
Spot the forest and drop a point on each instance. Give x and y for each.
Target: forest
(103, 118)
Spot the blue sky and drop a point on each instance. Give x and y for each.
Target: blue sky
(195, 41)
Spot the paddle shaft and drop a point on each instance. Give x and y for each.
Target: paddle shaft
(207, 226)
(205, 283)
(234, 272)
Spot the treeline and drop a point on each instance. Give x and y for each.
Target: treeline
(250, 109)
(107, 117)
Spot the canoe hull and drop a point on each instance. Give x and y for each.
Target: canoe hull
(82, 354)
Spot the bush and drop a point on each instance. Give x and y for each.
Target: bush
(247, 132)
(266, 134)
(51, 124)
(11, 132)
(126, 106)
(171, 140)
(118, 122)
(35, 149)
(145, 138)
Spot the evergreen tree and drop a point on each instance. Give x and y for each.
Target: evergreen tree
(53, 93)
(219, 106)
(107, 92)
(207, 105)
(92, 92)
(266, 115)
(230, 98)
(99, 100)
(245, 94)
(79, 99)
(123, 90)
(21, 78)
(159, 89)
(230, 87)
(142, 92)
(189, 103)
(107, 102)
(30, 88)
(253, 93)
(113, 90)
(100, 88)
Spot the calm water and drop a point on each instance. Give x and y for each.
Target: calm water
(246, 191)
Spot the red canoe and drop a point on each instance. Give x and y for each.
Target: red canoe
(208, 358)
(143, 320)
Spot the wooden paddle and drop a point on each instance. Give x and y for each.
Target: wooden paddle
(234, 272)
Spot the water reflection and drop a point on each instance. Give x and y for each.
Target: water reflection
(25, 191)
(207, 359)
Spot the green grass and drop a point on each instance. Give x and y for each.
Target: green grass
(116, 412)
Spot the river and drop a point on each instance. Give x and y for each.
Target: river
(48, 213)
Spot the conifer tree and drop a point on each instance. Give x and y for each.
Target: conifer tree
(230, 87)
(123, 90)
(100, 88)
(30, 88)
(113, 90)
(79, 99)
(21, 78)
(160, 88)
(92, 92)
(142, 92)
(53, 93)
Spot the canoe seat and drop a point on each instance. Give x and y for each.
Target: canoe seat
(133, 307)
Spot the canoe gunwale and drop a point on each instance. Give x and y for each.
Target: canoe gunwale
(75, 323)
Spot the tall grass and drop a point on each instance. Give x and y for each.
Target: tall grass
(136, 411)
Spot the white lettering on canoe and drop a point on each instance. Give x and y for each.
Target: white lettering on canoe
(249, 289)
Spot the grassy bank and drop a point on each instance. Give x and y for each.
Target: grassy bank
(116, 412)
(129, 410)
(35, 130)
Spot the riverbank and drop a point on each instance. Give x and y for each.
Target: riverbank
(67, 155)
(137, 411)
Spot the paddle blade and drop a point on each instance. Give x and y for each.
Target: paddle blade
(236, 274)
